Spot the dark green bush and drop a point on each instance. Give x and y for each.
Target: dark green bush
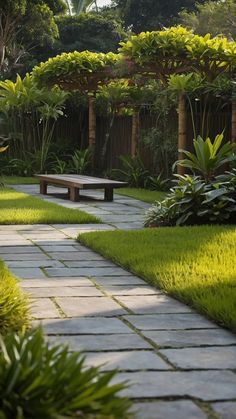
(38, 381)
(193, 201)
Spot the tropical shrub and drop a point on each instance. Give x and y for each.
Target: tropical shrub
(13, 303)
(194, 201)
(80, 161)
(133, 171)
(208, 157)
(42, 381)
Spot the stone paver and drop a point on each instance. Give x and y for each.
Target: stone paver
(127, 360)
(181, 409)
(146, 304)
(170, 322)
(204, 385)
(225, 410)
(102, 342)
(202, 358)
(186, 338)
(92, 306)
(160, 345)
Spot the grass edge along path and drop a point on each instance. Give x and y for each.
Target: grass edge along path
(20, 208)
(14, 310)
(196, 265)
(18, 180)
(142, 194)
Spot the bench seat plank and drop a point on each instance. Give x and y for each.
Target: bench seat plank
(76, 182)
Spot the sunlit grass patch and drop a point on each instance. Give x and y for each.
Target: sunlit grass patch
(13, 303)
(18, 180)
(142, 194)
(20, 208)
(194, 264)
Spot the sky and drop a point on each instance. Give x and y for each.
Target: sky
(103, 2)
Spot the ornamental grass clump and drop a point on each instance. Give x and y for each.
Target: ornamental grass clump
(13, 303)
(42, 381)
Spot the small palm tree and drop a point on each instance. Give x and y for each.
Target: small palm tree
(80, 6)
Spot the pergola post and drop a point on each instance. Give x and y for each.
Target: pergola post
(92, 127)
(182, 130)
(233, 122)
(135, 132)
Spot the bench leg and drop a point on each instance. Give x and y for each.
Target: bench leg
(43, 187)
(74, 194)
(108, 196)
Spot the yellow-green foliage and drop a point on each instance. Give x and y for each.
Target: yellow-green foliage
(194, 264)
(75, 68)
(171, 48)
(13, 304)
(20, 208)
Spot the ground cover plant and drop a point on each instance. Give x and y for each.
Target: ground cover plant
(142, 194)
(20, 208)
(13, 303)
(194, 264)
(18, 180)
(40, 381)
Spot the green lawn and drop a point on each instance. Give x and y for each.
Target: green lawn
(13, 303)
(142, 194)
(18, 180)
(194, 264)
(20, 208)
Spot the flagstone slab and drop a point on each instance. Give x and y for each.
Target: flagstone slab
(202, 358)
(43, 308)
(225, 410)
(56, 282)
(106, 271)
(28, 272)
(11, 249)
(82, 326)
(101, 342)
(66, 291)
(196, 337)
(180, 409)
(89, 263)
(49, 248)
(40, 256)
(76, 256)
(126, 360)
(170, 321)
(35, 263)
(203, 385)
(116, 280)
(146, 304)
(92, 306)
(130, 290)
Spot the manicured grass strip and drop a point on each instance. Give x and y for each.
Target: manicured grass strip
(13, 303)
(20, 208)
(18, 180)
(142, 194)
(194, 264)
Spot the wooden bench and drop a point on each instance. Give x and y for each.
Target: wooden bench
(76, 182)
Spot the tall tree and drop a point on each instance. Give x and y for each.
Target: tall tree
(145, 15)
(26, 23)
(80, 6)
(212, 17)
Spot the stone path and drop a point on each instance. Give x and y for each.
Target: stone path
(181, 365)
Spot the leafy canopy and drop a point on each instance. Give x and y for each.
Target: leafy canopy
(76, 70)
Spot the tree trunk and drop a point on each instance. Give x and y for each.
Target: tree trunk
(182, 131)
(135, 132)
(233, 123)
(92, 128)
(2, 55)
